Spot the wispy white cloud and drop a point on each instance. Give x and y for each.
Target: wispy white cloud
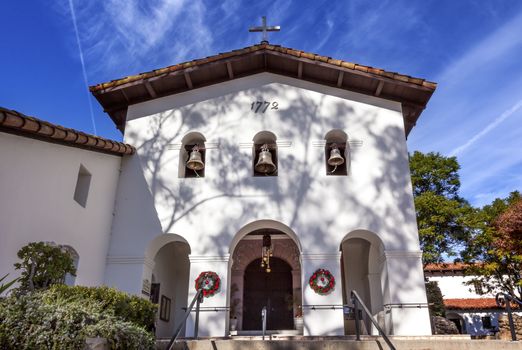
(495, 46)
(122, 36)
(487, 129)
(82, 61)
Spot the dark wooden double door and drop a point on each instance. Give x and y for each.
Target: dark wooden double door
(271, 289)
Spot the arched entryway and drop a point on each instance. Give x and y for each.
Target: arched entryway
(271, 290)
(363, 270)
(169, 281)
(252, 287)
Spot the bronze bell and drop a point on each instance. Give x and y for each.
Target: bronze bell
(195, 162)
(335, 156)
(264, 164)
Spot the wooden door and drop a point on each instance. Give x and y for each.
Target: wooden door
(271, 289)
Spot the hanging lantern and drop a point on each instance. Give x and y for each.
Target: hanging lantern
(195, 161)
(266, 252)
(336, 158)
(265, 164)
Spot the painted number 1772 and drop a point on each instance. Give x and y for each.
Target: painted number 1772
(263, 106)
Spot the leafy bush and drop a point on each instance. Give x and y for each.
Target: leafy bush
(43, 264)
(45, 320)
(6, 286)
(435, 299)
(127, 307)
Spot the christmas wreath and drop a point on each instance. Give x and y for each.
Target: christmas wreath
(208, 281)
(322, 281)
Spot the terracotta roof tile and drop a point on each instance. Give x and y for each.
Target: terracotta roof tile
(268, 47)
(472, 304)
(18, 123)
(446, 267)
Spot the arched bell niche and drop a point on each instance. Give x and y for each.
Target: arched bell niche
(191, 142)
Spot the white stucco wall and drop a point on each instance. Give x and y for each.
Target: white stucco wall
(37, 183)
(208, 212)
(454, 287)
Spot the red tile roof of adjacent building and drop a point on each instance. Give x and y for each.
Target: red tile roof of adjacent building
(446, 267)
(17, 123)
(471, 304)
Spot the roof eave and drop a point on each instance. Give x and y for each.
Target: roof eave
(412, 93)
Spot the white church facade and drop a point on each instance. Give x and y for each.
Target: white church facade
(143, 220)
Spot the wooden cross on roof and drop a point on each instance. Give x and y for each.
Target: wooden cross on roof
(265, 29)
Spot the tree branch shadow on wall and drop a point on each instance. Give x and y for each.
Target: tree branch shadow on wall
(235, 181)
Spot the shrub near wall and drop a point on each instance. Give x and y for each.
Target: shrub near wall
(62, 317)
(127, 307)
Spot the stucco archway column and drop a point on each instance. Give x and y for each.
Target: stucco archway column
(322, 320)
(131, 274)
(213, 317)
(406, 295)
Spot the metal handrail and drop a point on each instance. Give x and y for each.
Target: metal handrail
(198, 299)
(504, 299)
(356, 299)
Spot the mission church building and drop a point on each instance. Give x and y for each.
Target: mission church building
(282, 172)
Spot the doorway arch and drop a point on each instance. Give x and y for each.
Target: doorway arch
(363, 270)
(246, 249)
(169, 275)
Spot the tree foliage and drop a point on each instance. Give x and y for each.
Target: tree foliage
(53, 319)
(43, 264)
(489, 249)
(441, 213)
(509, 226)
(435, 299)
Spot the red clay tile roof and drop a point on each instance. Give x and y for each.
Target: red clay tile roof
(268, 47)
(446, 267)
(412, 93)
(472, 304)
(17, 123)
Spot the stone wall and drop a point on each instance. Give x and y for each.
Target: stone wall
(503, 326)
(442, 325)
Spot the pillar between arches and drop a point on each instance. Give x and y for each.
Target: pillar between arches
(406, 303)
(322, 321)
(213, 316)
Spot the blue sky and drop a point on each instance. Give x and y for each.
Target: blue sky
(472, 49)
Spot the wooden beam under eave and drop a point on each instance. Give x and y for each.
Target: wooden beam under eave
(340, 79)
(300, 70)
(188, 81)
(378, 90)
(230, 71)
(125, 95)
(150, 90)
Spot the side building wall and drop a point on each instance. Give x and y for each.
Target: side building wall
(37, 187)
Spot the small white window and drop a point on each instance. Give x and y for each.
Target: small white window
(83, 183)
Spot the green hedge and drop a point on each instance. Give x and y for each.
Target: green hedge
(62, 317)
(127, 307)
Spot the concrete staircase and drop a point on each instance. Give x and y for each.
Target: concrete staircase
(340, 343)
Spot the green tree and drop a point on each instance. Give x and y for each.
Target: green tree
(489, 251)
(435, 299)
(43, 264)
(441, 213)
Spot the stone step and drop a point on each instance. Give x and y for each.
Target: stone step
(342, 343)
